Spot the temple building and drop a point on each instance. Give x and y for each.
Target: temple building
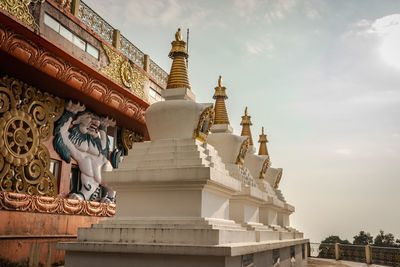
(95, 135)
(53, 52)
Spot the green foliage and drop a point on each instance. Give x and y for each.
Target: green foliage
(362, 238)
(365, 238)
(384, 240)
(332, 239)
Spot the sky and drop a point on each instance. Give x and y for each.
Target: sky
(322, 77)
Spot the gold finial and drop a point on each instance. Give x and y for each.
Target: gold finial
(221, 115)
(178, 75)
(178, 35)
(246, 123)
(263, 143)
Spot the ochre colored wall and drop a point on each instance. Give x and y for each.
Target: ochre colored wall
(31, 238)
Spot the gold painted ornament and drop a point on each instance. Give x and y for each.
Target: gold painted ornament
(122, 72)
(205, 123)
(20, 9)
(242, 152)
(18, 137)
(27, 118)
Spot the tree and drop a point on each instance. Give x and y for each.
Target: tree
(332, 239)
(384, 240)
(362, 238)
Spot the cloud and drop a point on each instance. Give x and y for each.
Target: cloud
(245, 7)
(344, 151)
(312, 13)
(256, 47)
(158, 12)
(387, 30)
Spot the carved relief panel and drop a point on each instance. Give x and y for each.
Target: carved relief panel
(27, 118)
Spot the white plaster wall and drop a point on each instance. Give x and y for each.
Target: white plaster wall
(236, 212)
(283, 219)
(159, 203)
(251, 214)
(214, 206)
(272, 216)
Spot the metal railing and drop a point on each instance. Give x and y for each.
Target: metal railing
(132, 52)
(158, 73)
(359, 253)
(95, 22)
(101, 27)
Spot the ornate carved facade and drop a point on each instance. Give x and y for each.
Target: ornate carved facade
(20, 9)
(23, 202)
(32, 54)
(205, 123)
(27, 118)
(121, 71)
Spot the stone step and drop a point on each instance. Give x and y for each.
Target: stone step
(165, 155)
(169, 142)
(162, 163)
(166, 236)
(158, 149)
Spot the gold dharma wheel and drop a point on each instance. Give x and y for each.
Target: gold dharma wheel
(126, 74)
(19, 137)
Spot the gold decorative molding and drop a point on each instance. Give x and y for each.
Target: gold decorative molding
(264, 168)
(205, 123)
(242, 152)
(122, 72)
(128, 137)
(27, 118)
(278, 179)
(43, 204)
(20, 9)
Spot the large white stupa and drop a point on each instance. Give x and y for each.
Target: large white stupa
(190, 198)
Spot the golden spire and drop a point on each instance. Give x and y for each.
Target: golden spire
(178, 75)
(246, 123)
(263, 143)
(221, 116)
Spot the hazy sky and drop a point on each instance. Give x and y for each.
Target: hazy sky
(322, 76)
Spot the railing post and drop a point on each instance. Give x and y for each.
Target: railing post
(116, 39)
(368, 254)
(308, 249)
(146, 62)
(75, 7)
(337, 251)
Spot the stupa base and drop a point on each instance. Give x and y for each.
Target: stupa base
(254, 254)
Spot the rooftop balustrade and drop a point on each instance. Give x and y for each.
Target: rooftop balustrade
(101, 27)
(359, 253)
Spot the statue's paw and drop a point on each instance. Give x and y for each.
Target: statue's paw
(76, 196)
(106, 200)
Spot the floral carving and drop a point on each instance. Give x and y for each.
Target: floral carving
(34, 55)
(19, 9)
(242, 152)
(205, 123)
(23, 202)
(27, 118)
(121, 71)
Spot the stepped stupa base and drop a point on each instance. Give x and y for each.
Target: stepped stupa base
(255, 254)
